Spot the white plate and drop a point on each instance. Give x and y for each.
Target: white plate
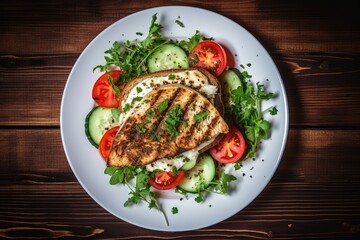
(86, 162)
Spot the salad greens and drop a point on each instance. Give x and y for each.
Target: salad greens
(132, 57)
(246, 112)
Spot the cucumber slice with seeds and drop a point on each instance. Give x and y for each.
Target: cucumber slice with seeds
(200, 175)
(168, 56)
(98, 121)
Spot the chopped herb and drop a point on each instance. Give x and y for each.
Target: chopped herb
(139, 33)
(113, 86)
(173, 120)
(174, 170)
(138, 89)
(140, 128)
(273, 110)
(249, 64)
(150, 113)
(201, 116)
(147, 101)
(174, 210)
(172, 77)
(127, 107)
(163, 105)
(154, 136)
(138, 99)
(178, 22)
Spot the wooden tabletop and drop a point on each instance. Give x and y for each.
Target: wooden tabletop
(314, 193)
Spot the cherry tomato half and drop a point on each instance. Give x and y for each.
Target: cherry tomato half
(103, 93)
(231, 148)
(209, 55)
(166, 180)
(106, 142)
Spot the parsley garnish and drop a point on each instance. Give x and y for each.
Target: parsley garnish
(150, 113)
(163, 105)
(138, 89)
(173, 120)
(127, 107)
(138, 99)
(178, 22)
(171, 77)
(140, 128)
(201, 116)
(174, 210)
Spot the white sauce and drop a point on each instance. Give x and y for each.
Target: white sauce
(167, 164)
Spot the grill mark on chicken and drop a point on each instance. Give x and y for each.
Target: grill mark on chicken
(134, 148)
(210, 128)
(161, 120)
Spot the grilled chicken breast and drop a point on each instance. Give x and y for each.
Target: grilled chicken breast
(167, 122)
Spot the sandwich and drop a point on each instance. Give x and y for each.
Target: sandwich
(173, 119)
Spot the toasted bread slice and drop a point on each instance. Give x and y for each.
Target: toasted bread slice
(167, 122)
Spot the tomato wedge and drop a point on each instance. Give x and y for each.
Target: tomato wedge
(166, 180)
(231, 148)
(106, 141)
(209, 55)
(103, 93)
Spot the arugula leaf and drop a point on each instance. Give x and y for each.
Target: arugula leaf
(141, 191)
(114, 86)
(192, 41)
(221, 185)
(131, 56)
(247, 113)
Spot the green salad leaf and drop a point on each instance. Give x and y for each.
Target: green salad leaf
(246, 111)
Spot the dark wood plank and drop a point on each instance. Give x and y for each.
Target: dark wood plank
(281, 26)
(283, 210)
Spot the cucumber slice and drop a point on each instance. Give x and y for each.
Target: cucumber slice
(188, 165)
(168, 56)
(203, 173)
(98, 121)
(230, 80)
